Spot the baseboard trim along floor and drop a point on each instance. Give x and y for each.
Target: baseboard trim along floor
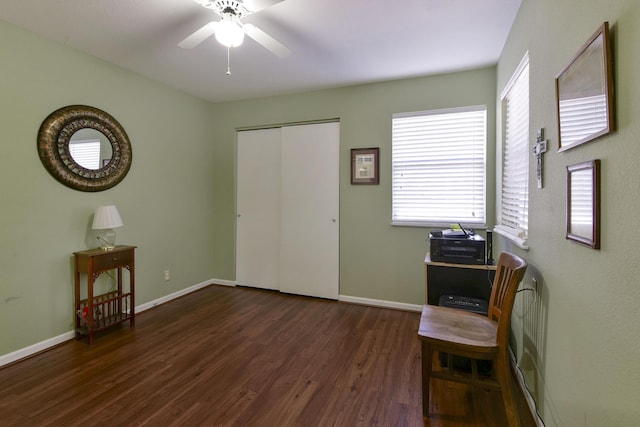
(380, 303)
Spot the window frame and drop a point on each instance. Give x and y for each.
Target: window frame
(518, 235)
(443, 221)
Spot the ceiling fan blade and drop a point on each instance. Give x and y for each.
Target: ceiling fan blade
(199, 36)
(267, 41)
(256, 5)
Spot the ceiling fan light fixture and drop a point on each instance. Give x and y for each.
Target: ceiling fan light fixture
(229, 33)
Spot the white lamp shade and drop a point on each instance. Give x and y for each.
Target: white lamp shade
(106, 217)
(229, 33)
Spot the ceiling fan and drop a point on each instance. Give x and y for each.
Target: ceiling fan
(230, 31)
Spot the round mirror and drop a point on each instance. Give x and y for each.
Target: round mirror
(84, 148)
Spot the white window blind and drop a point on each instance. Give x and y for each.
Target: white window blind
(513, 214)
(581, 117)
(582, 202)
(439, 167)
(86, 153)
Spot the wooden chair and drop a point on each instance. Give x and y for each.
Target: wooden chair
(477, 337)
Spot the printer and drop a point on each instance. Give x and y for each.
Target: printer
(457, 246)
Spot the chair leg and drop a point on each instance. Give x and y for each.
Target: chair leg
(427, 354)
(504, 378)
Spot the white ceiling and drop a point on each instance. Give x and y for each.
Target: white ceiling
(334, 42)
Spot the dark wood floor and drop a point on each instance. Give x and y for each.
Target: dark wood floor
(227, 356)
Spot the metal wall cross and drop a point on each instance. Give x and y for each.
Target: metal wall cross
(538, 150)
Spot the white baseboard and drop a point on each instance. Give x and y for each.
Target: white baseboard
(52, 342)
(182, 292)
(5, 359)
(525, 391)
(380, 303)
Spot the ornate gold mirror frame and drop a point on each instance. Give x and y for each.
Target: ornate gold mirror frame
(54, 138)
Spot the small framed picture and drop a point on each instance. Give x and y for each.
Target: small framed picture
(365, 165)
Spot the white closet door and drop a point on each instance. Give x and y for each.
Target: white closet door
(258, 209)
(309, 232)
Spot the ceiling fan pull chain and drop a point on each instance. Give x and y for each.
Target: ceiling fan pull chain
(228, 61)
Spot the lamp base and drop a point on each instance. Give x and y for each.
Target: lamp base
(107, 240)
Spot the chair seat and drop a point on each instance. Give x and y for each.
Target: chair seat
(458, 330)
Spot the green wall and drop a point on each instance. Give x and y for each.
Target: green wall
(166, 200)
(377, 260)
(577, 339)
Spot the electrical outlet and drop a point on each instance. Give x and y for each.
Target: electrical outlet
(167, 275)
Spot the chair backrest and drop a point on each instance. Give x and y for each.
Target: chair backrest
(509, 273)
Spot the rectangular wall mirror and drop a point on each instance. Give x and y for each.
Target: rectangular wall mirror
(584, 93)
(583, 203)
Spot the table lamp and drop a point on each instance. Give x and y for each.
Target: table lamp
(106, 219)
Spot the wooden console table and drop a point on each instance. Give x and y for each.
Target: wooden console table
(444, 278)
(98, 312)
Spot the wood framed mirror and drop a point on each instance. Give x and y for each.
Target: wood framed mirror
(584, 93)
(583, 203)
(84, 148)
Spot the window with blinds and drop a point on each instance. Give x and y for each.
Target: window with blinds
(513, 214)
(86, 153)
(439, 167)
